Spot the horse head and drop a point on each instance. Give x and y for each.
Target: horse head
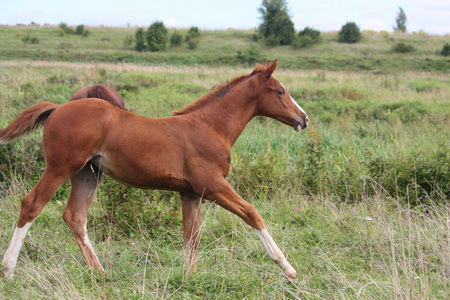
(274, 100)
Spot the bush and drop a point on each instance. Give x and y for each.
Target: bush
(349, 33)
(176, 39)
(193, 43)
(312, 33)
(272, 41)
(28, 39)
(306, 38)
(157, 36)
(128, 41)
(66, 29)
(304, 41)
(250, 56)
(403, 48)
(140, 44)
(446, 50)
(79, 30)
(193, 33)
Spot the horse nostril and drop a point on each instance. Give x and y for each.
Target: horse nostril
(306, 121)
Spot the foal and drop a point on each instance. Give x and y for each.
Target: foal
(188, 152)
(100, 91)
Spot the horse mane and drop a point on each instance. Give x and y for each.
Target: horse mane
(216, 93)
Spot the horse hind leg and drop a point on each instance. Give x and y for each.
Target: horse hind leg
(32, 205)
(84, 184)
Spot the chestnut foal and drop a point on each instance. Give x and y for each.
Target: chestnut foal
(188, 152)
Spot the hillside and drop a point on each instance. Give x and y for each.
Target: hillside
(227, 47)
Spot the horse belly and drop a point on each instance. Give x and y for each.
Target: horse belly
(142, 173)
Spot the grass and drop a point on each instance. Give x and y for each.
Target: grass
(358, 202)
(222, 48)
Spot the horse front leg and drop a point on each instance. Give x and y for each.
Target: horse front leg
(190, 205)
(224, 195)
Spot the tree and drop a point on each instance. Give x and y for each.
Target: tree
(349, 33)
(157, 36)
(400, 20)
(276, 27)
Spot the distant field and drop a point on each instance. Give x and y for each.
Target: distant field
(358, 202)
(228, 47)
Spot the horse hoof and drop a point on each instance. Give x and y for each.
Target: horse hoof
(291, 276)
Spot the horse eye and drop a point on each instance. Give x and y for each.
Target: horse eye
(281, 92)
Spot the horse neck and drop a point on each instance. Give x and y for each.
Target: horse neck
(229, 115)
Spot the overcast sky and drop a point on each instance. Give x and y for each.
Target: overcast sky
(432, 16)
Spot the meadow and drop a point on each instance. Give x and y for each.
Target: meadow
(358, 202)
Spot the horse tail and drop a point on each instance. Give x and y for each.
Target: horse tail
(29, 120)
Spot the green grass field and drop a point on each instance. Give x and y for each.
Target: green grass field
(358, 202)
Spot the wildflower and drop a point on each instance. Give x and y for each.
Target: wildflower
(368, 219)
(298, 208)
(290, 199)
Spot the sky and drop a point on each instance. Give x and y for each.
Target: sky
(431, 16)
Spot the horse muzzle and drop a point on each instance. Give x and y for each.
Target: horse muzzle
(299, 125)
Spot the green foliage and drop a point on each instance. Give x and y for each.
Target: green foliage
(140, 39)
(193, 33)
(128, 41)
(66, 29)
(400, 21)
(157, 36)
(312, 33)
(446, 50)
(306, 38)
(28, 39)
(251, 55)
(176, 39)
(276, 27)
(80, 30)
(403, 48)
(193, 43)
(349, 33)
(221, 47)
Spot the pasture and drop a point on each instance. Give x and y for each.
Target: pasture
(358, 202)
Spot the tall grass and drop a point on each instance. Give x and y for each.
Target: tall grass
(358, 202)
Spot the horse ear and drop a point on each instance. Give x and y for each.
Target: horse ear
(268, 72)
(267, 64)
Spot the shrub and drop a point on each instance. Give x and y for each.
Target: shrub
(306, 38)
(272, 41)
(251, 55)
(157, 36)
(304, 41)
(312, 33)
(193, 43)
(65, 28)
(403, 48)
(28, 39)
(349, 33)
(176, 39)
(140, 44)
(128, 41)
(79, 30)
(193, 33)
(446, 50)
